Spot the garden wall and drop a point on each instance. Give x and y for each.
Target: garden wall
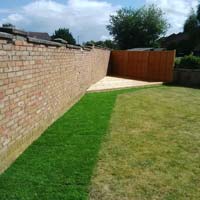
(187, 76)
(39, 81)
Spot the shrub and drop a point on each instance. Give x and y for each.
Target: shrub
(177, 62)
(188, 62)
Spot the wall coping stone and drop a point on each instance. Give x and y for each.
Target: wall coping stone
(13, 31)
(60, 40)
(13, 34)
(100, 47)
(187, 69)
(87, 49)
(46, 42)
(74, 46)
(6, 35)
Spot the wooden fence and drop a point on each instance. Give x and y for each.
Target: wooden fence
(143, 65)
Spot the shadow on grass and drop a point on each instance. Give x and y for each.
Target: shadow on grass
(182, 85)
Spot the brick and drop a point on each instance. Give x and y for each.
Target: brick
(1, 117)
(1, 82)
(7, 46)
(1, 95)
(11, 74)
(19, 43)
(3, 41)
(3, 76)
(1, 104)
(9, 91)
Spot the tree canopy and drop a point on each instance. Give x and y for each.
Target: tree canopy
(191, 23)
(198, 12)
(192, 28)
(107, 44)
(8, 25)
(64, 34)
(137, 28)
(191, 35)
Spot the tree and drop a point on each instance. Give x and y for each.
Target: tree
(198, 12)
(107, 44)
(64, 34)
(191, 23)
(192, 28)
(137, 28)
(8, 25)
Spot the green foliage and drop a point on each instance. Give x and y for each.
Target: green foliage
(177, 61)
(64, 34)
(89, 43)
(8, 25)
(107, 44)
(198, 12)
(191, 39)
(191, 23)
(192, 28)
(137, 28)
(189, 62)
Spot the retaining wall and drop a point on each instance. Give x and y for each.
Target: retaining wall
(39, 81)
(187, 76)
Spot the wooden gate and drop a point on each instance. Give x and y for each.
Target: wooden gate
(143, 65)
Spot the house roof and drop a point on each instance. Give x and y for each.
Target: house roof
(174, 38)
(38, 35)
(178, 36)
(140, 49)
(146, 49)
(13, 30)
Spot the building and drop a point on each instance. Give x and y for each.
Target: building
(182, 43)
(173, 39)
(39, 35)
(146, 49)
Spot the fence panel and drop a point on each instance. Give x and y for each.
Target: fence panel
(143, 65)
(119, 62)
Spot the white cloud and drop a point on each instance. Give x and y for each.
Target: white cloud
(5, 11)
(106, 37)
(15, 18)
(85, 18)
(176, 11)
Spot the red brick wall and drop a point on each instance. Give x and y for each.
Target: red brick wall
(37, 84)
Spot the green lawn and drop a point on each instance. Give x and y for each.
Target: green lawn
(153, 149)
(60, 163)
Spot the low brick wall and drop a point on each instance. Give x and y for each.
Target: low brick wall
(187, 76)
(38, 83)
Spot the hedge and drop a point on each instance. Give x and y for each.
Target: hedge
(188, 62)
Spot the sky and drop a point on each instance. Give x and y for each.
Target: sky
(86, 19)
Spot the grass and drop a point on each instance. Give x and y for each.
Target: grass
(153, 149)
(60, 163)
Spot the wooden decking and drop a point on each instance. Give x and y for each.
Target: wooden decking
(113, 83)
